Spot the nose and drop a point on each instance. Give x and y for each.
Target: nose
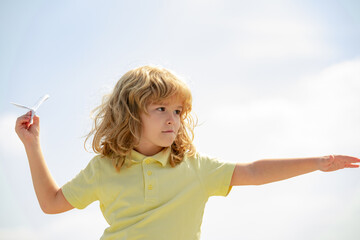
(170, 120)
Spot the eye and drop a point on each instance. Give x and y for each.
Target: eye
(177, 112)
(161, 109)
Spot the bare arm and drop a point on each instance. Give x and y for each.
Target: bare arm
(272, 170)
(49, 195)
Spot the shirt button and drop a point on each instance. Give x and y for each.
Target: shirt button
(147, 161)
(150, 187)
(149, 173)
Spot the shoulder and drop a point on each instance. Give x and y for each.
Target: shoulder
(205, 162)
(95, 161)
(99, 163)
(200, 159)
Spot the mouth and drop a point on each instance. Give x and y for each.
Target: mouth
(168, 131)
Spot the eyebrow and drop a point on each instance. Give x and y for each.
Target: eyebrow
(165, 104)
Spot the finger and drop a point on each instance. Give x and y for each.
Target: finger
(36, 120)
(25, 115)
(352, 160)
(22, 119)
(351, 165)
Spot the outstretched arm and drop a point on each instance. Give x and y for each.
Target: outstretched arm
(49, 195)
(272, 170)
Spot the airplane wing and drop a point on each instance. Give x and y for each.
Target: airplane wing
(37, 105)
(22, 106)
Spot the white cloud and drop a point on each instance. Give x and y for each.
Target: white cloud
(331, 100)
(84, 224)
(317, 115)
(17, 233)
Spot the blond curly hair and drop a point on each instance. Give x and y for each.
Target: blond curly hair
(117, 125)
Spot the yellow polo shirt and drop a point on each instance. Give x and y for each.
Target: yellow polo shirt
(148, 199)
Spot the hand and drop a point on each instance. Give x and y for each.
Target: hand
(28, 133)
(336, 162)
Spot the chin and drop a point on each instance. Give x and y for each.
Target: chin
(167, 144)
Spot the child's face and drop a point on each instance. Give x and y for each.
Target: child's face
(160, 126)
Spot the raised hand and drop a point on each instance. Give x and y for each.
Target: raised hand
(28, 132)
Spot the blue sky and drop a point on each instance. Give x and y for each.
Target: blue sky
(269, 79)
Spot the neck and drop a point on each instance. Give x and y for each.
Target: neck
(148, 152)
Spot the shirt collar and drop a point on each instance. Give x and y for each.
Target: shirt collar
(162, 157)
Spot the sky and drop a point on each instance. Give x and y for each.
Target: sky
(270, 79)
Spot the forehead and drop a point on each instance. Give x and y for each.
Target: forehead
(174, 100)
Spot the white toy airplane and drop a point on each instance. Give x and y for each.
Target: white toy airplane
(34, 108)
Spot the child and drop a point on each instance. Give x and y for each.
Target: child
(147, 176)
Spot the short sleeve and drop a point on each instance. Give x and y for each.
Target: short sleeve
(82, 189)
(215, 175)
